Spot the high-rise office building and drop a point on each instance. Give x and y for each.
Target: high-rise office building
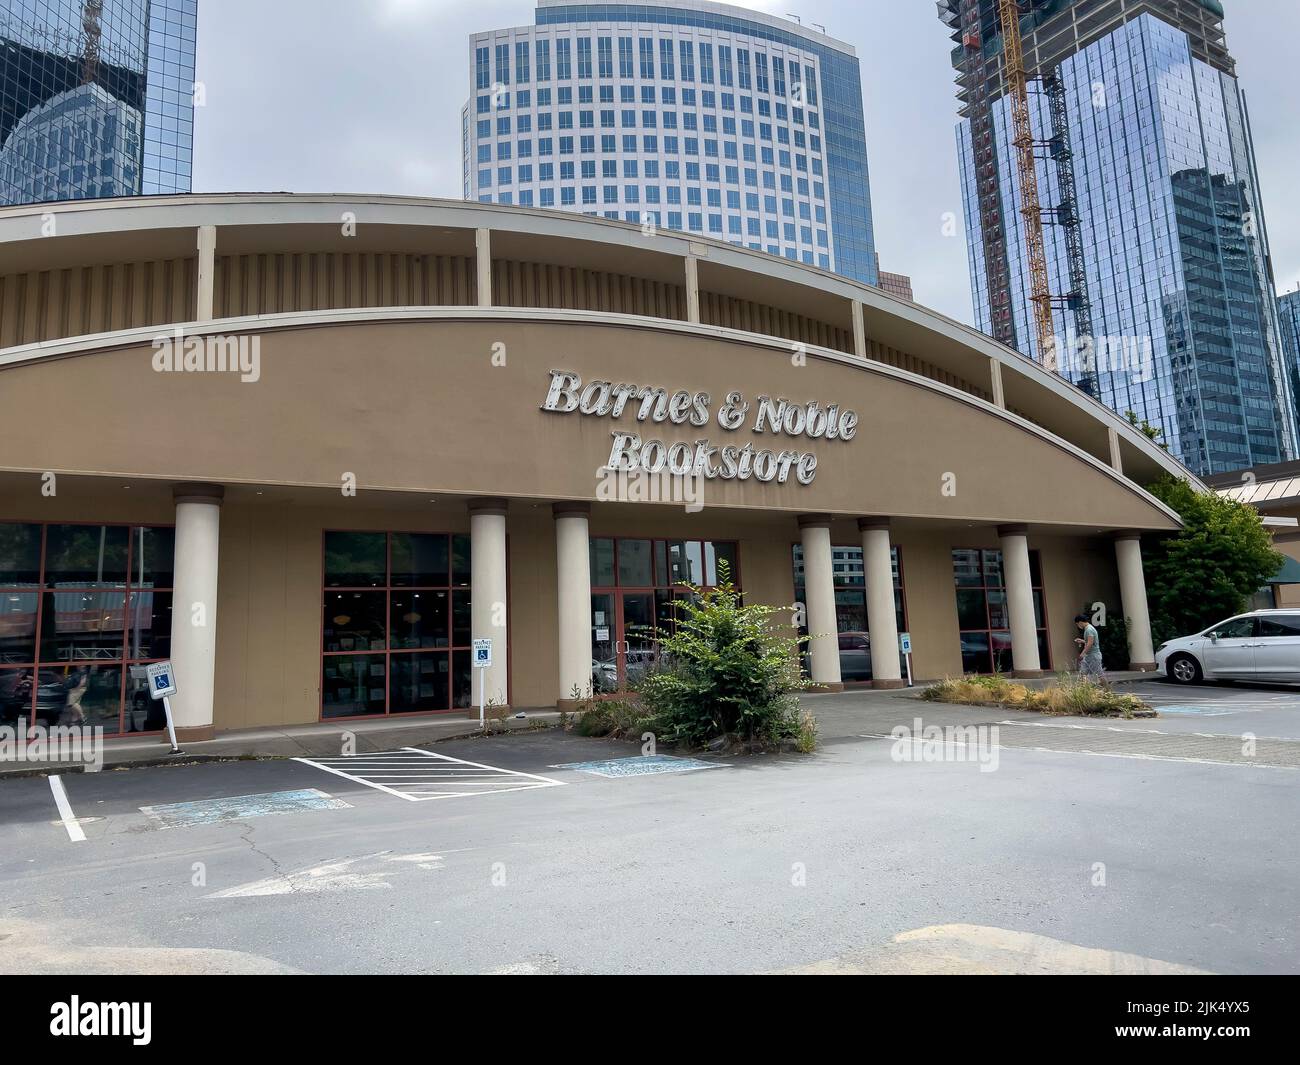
(899, 285)
(1288, 313)
(1156, 249)
(700, 117)
(96, 98)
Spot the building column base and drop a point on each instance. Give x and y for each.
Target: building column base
(888, 685)
(197, 734)
(1145, 667)
(1030, 674)
(568, 706)
(826, 686)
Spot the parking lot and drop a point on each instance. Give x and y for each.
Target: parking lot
(545, 852)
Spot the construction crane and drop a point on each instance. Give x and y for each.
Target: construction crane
(988, 191)
(91, 15)
(1031, 208)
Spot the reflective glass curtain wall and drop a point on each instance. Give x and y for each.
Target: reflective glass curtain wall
(95, 104)
(1176, 253)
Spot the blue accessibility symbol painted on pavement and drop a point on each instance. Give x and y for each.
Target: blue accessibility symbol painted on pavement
(640, 766)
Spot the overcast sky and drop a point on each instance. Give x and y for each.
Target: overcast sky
(365, 96)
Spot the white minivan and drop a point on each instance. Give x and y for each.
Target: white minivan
(1263, 645)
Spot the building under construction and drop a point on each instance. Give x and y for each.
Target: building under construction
(1113, 216)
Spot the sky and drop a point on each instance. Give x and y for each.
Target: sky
(364, 96)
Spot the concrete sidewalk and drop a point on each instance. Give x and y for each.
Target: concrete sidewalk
(321, 740)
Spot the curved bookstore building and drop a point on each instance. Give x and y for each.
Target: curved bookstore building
(311, 448)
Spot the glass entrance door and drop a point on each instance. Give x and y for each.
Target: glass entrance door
(633, 585)
(604, 640)
(636, 629)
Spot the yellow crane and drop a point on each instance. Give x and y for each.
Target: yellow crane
(1031, 208)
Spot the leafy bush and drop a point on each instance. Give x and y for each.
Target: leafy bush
(725, 671)
(1071, 695)
(1206, 571)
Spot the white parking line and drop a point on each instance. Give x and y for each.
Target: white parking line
(417, 775)
(65, 811)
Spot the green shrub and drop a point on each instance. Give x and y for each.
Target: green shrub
(724, 671)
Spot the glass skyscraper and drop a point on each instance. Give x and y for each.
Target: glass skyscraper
(1288, 312)
(699, 117)
(1137, 108)
(96, 98)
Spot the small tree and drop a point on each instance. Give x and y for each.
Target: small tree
(724, 670)
(1208, 570)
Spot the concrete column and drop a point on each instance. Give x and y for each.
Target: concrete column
(819, 601)
(207, 272)
(483, 258)
(1133, 598)
(995, 380)
(573, 575)
(859, 331)
(692, 289)
(1116, 459)
(489, 593)
(877, 566)
(1020, 601)
(194, 608)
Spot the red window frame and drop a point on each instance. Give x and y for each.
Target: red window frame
(129, 591)
(388, 652)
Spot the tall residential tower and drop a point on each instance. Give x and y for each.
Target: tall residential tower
(1156, 250)
(96, 98)
(700, 117)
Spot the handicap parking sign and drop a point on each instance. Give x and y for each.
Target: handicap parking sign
(162, 681)
(482, 654)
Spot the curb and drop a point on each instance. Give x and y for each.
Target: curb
(151, 761)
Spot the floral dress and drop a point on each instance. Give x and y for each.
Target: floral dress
(1090, 661)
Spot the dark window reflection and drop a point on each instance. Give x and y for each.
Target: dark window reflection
(420, 682)
(355, 560)
(18, 627)
(149, 625)
(20, 555)
(85, 555)
(420, 619)
(82, 626)
(153, 554)
(355, 621)
(420, 560)
(460, 562)
(353, 685)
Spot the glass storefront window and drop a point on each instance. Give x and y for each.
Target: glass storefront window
(851, 607)
(73, 654)
(982, 610)
(397, 641)
(355, 560)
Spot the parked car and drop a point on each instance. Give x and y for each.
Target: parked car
(1263, 645)
(855, 656)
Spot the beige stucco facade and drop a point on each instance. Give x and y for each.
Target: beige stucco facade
(397, 418)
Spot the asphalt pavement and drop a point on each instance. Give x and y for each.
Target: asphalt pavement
(525, 854)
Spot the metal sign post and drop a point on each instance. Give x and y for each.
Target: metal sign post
(905, 645)
(162, 685)
(482, 660)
